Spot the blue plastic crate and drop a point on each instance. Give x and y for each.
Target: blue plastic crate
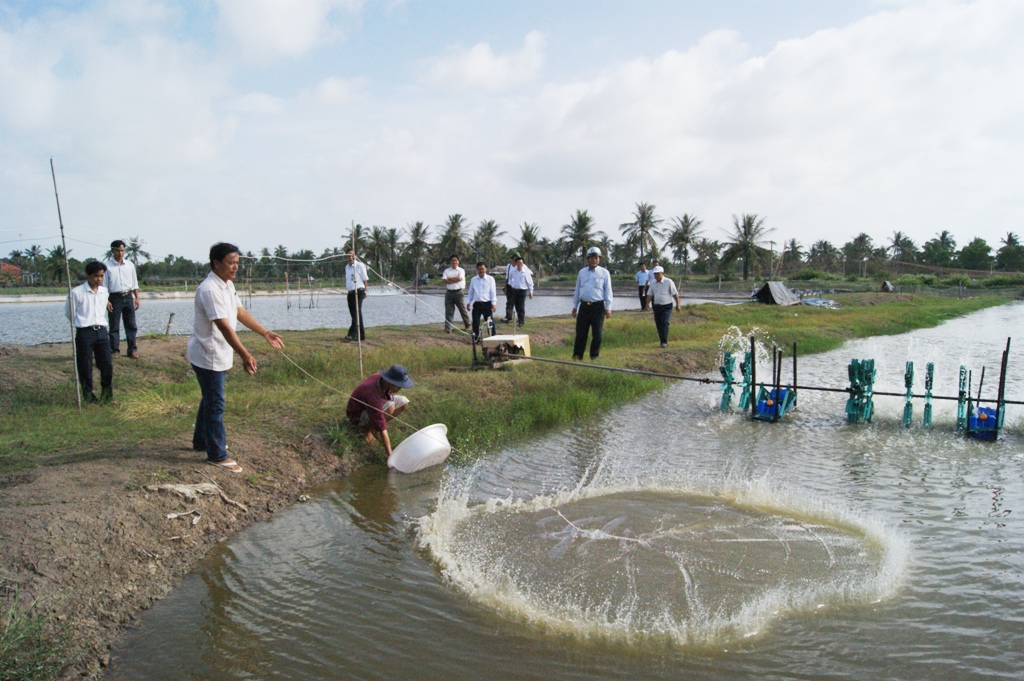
(982, 424)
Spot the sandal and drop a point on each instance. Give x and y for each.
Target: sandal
(230, 464)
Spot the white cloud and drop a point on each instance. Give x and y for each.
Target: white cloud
(478, 68)
(268, 28)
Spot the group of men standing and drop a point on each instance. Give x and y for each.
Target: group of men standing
(96, 308)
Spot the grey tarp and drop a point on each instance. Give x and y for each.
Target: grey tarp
(775, 293)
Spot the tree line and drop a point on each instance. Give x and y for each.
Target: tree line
(682, 244)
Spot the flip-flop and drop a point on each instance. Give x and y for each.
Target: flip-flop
(229, 464)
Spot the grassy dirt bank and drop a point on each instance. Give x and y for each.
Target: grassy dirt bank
(85, 537)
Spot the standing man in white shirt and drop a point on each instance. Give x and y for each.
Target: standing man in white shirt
(123, 284)
(641, 282)
(483, 299)
(217, 312)
(355, 282)
(661, 293)
(454, 294)
(591, 304)
(86, 307)
(520, 282)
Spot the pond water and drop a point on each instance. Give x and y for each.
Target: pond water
(44, 322)
(663, 540)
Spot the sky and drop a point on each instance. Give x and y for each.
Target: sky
(282, 122)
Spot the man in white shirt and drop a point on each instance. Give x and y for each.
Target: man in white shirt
(123, 284)
(520, 282)
(483, 299)
(217, 311)
(355, 282)
(661, 293)
(454, 294)
(641, 282)
(86, 307)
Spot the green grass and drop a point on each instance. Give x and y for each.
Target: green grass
(34, 645)
(484, 410)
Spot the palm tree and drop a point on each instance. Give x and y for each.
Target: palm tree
(355, 239)
(901, 249)
(792, 254)
(33, 254)
(529, 242)
(707, 252)
(134, 249)
(748, 231)
(823, 255)
(392, 242)
(681, 238)
(53, 266)
(377, 249)
(452, 239)
(643, 230)
(417, 246)
(579, 234)
(485, 242)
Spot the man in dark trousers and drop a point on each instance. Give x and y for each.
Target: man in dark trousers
(86, 307)
(122, 283)
(591, 304)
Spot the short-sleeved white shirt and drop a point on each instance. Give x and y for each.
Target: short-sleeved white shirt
(207, 347)
(663, 292)
(355, 276)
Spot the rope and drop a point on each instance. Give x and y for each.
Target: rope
(697, 379)
(417, 297)
(366, 404)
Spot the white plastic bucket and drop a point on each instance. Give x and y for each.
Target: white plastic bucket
(425, 448)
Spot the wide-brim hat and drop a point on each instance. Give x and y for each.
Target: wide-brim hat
(397, 375)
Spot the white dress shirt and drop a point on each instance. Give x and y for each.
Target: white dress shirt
(642, 276)
(120, 278)
(355, 276)
(207, 346)
(593, 286)
(483, 290)
(455, 272)
(520, 279)
(90, 307)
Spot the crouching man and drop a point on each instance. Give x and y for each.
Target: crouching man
(373, 403)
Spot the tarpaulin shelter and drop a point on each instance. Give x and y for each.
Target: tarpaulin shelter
(775, 293)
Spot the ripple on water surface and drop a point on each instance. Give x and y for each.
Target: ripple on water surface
(656, 566)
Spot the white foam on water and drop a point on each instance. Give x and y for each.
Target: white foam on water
(695, 563)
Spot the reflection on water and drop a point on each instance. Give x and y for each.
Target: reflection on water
(915, 572)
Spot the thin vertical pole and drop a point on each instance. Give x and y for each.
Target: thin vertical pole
(71, 302)
(359, 306)
(794, 375)
(753, 377)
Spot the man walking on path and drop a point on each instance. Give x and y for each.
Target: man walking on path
(217, 312)
(122, 282)
(641, 282)
(591, 304)
(86, 307)
(355, 282)
(662, 292)
(454, 294)
(520, 282)
(483, 299)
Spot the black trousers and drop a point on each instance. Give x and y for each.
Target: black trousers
(662, 315)
(643, 297)
(509, 303)
(482, 310)
(589, 317)
(518, 296)
(124, 307)
(355, 308)
(92, 342)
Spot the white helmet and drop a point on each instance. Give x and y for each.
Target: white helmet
(594, 250)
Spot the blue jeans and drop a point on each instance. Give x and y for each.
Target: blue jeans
(209, 435)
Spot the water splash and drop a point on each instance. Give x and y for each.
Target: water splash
(737, 341)
(655, 563)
